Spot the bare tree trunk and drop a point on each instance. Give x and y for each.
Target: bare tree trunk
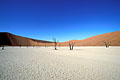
(107, 44)
(55, 43)
(3, 47)
(71, 45)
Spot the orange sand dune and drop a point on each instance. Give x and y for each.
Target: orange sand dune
(113, 38)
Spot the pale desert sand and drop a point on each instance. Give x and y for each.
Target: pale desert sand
(82, 63)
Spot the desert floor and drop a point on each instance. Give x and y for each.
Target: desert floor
(39, 63)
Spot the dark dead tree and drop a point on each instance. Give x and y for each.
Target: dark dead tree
(55, 43)
(2, 47)
(71, 45)
(107, 44)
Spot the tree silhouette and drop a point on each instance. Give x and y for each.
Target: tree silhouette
(71, 45)
(55, 43)
(107, 44)
(2, 47)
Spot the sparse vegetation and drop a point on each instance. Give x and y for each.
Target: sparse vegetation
(2, 47)
(107, 43)
(71, 45)
(55, 43)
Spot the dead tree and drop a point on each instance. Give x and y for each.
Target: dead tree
(2, 47)
(55, 43)
(107, 44)
(71, 45)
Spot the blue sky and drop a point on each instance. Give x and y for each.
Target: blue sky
(63, 19)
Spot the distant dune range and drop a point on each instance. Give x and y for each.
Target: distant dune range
(9, 39)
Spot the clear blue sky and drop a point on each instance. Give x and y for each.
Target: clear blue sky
(63, 19)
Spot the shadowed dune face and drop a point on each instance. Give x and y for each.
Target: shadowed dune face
(14, 40)
(4, 39)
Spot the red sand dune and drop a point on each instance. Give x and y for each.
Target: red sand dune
(113, 38)
(14, 40)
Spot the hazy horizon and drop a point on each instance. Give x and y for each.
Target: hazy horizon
(62, 19)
